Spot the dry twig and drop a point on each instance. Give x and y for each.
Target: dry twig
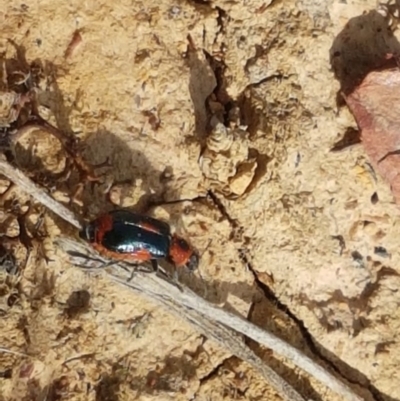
(210, 320)
(27, 185)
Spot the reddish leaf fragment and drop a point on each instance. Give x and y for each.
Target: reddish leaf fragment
(75, 41)
(375, 104)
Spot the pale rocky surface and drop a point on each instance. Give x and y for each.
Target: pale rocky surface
(300, 216)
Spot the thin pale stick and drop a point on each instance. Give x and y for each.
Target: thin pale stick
(27, 185)
(8, 351)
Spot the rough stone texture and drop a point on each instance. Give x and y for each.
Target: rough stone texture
(295, 228)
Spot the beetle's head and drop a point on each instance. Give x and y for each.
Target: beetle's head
(193, 262)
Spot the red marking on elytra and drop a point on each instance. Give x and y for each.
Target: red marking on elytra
(103, 224)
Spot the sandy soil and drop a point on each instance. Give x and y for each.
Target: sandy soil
(303, 239)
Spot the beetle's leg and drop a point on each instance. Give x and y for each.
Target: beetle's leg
(159, 269)
(131, 276)
(141, 269)
(175, 275)
(175, 280)
(155, 266)
(110, 263)
(136, 268)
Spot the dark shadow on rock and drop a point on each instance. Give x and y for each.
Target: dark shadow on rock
(361, 47)
(54, 99)
(170, 375)
(202, 83)
(127, 168)
(52, 96)
(108, 387)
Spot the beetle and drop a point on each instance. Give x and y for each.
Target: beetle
(135, 238)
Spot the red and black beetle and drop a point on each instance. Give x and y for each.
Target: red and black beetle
(136, 238)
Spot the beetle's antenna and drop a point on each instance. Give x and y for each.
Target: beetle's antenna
(206, 248)
(199, 272)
